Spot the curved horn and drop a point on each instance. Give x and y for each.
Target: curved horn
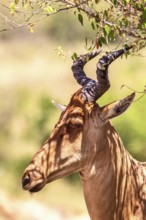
(102, 70)
(92, 90)
(78, 66)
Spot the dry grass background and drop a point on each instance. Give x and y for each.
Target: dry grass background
(33, 65)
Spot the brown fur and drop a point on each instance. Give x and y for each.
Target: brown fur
(84, 141)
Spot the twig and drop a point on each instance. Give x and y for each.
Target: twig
(37, 20)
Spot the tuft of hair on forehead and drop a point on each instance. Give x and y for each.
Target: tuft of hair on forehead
(78, 101)
(77, 108)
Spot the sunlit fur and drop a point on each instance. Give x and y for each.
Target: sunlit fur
(84, 141)
(61, 154)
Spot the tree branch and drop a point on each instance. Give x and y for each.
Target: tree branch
(27, 23)
(116, 21)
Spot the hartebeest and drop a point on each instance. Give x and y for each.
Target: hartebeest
(84, 141)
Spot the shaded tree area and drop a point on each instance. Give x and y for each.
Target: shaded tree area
(119, 21)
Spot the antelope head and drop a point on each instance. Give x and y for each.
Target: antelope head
(80, 131)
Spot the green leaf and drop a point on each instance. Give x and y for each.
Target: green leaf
(144, 14)
(74, 56)
(106, 13)
(126, 23)
(114, 2)
(80, 18)
(102, 40)
(50, 10)
(12, 8)
(107, 29)
(112, 35)
(92, 25)
(140, 26)
(31, 28)
(124, 2)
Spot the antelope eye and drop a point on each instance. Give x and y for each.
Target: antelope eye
(74, 125)
(70, 126)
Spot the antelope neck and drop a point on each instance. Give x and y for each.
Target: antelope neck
(108, 182)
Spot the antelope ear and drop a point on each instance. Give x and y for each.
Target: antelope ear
(59, 106)
(117, 108)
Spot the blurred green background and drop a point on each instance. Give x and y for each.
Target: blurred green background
(31, 75)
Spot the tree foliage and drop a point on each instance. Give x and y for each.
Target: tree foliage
(120, 21)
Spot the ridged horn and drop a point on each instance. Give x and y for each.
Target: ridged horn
(79, 64)
(93, 90)
(110, 57)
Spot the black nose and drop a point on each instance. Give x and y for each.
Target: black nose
(25, 180)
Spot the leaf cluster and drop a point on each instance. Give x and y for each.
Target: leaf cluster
(119, 21)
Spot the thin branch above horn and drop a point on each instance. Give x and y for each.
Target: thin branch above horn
(92, 90)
